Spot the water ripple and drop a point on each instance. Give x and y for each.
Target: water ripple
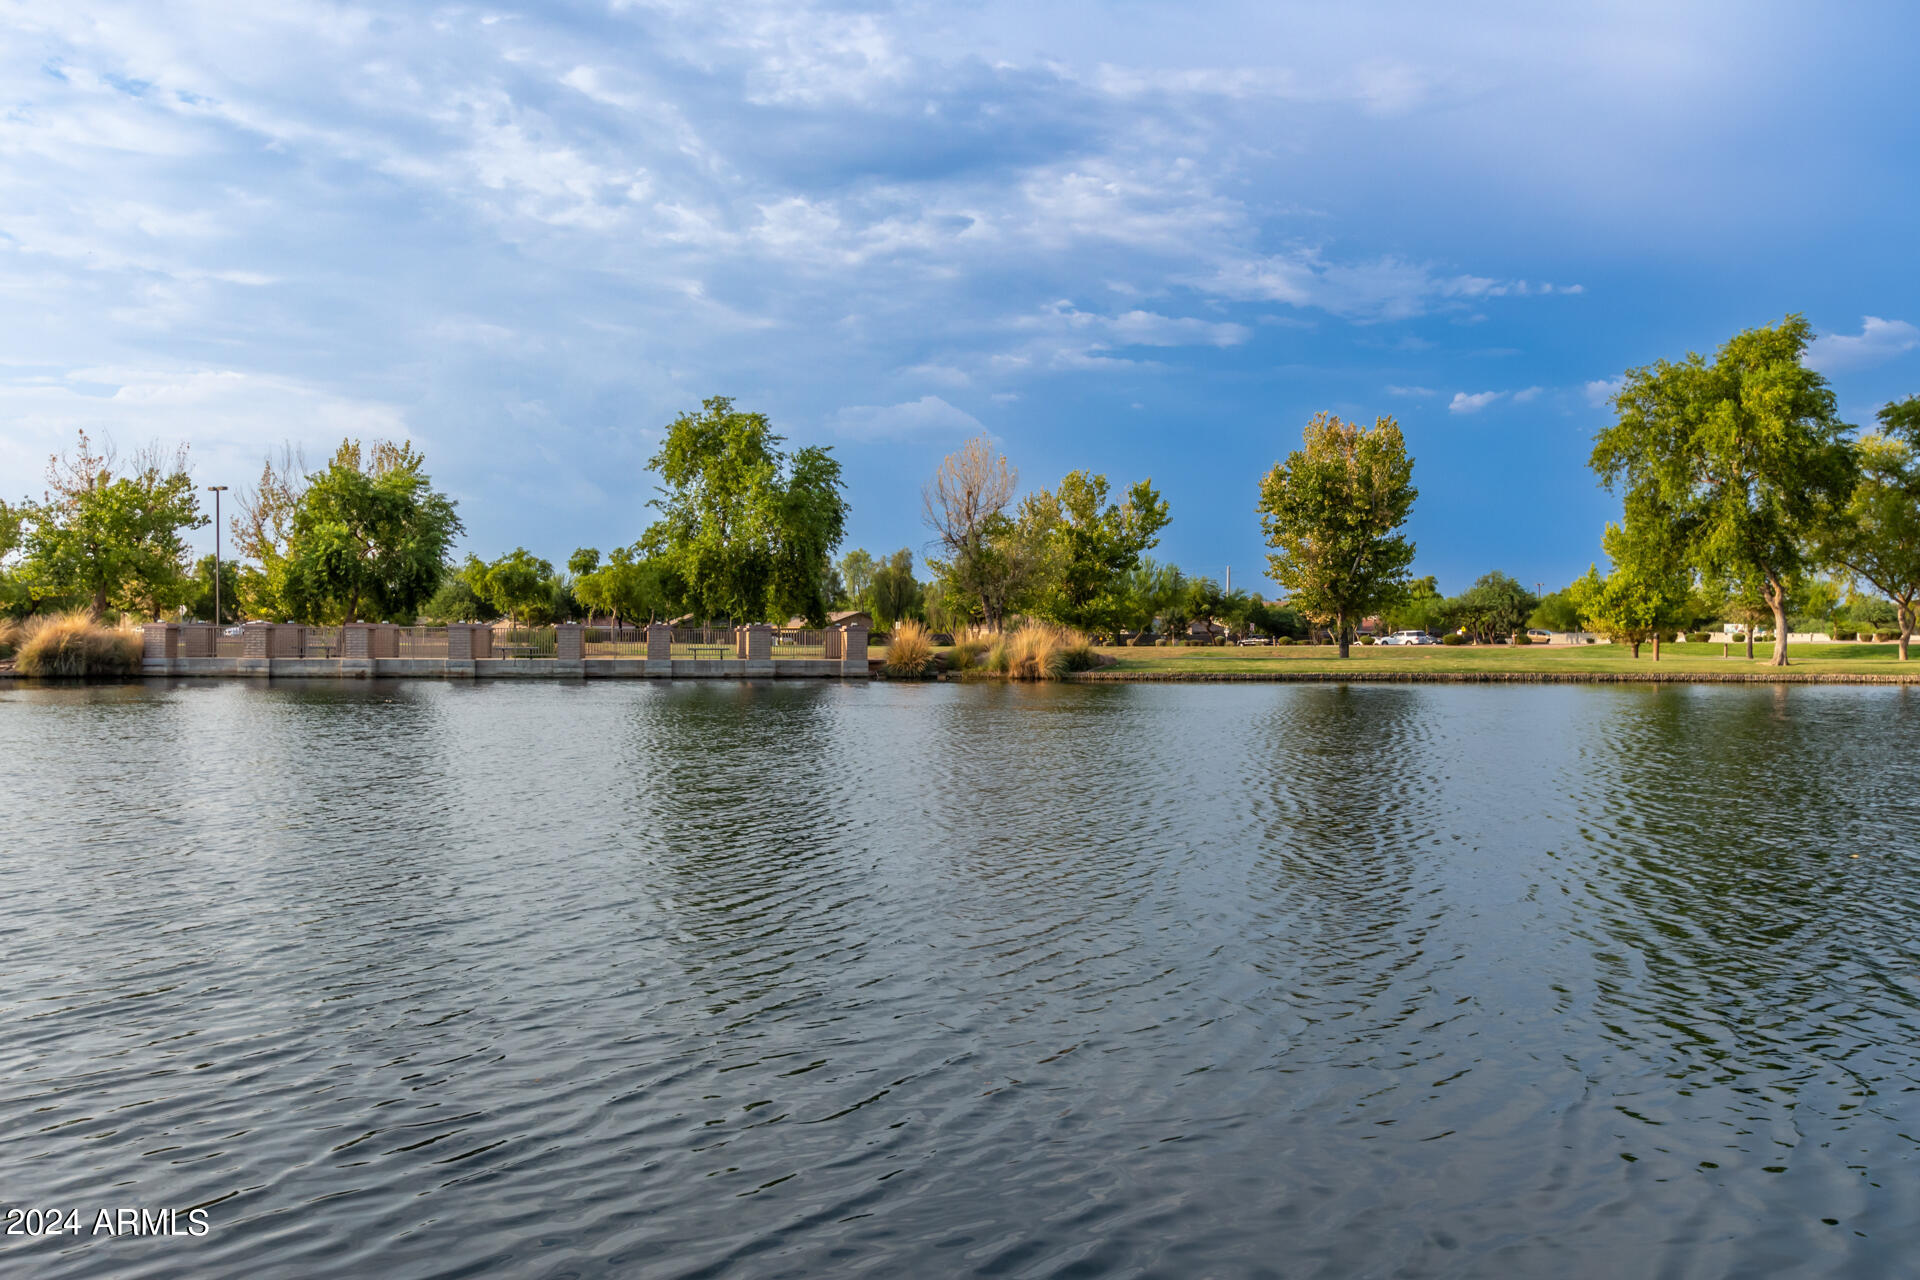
(751, 979)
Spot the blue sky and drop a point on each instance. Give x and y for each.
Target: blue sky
(1144, 239)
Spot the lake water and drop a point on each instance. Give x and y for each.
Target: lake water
(420, 979)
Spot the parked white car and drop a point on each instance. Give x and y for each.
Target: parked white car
(1409, 637)
(1256, 639)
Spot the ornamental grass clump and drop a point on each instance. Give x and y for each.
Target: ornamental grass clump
(73, 646)
(969, 647)
(9, 637)
(1041, 651)
(909, 651)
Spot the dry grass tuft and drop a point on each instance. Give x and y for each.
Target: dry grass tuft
(970, 646)
(909, 651)
(72, 646)
(9, 637)
(1041, 651)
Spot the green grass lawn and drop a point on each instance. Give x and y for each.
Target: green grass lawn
(1811, 659)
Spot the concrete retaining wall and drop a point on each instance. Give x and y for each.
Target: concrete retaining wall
(497, 668)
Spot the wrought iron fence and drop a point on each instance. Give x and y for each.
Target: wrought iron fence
(423, 642)
(324, 642)
(523, 642)
(614, 642)
(799, 644)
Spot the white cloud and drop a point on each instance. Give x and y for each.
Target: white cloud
(1148, 329)
(1522, 397)
(1602, 390)
(943, 375)
(1416, 392)
(1464, 403)
(229, 418)
(1877, 342)
(1386, 288)
(927, 416)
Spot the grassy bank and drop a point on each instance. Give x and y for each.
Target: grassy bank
(1607, 662)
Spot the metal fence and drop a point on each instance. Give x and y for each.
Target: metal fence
(688, 643)
(523, 642)
(799, 644)
(422, 642)
(614, 642)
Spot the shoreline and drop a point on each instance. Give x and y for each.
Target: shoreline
(1364, 676)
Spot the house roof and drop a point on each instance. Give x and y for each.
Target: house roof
(833, 619)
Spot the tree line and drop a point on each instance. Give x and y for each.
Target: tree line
(1745, 498)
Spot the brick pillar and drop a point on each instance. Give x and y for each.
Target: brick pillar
(854, 654)
(659, 642)
(569, 642)
(469, 640)
(757, 642)
(160, 642)
(256, 640)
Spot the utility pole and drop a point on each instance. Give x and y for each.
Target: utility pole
(216, 490)
(1229, 579)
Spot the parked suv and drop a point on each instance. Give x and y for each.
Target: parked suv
(1409, 637)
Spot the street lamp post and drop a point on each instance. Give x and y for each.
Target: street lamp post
(216, 490)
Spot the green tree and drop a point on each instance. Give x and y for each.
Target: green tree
(626, 588)
(894, 592)
(1556, 612)
(456, 601)
(1878, 536)
(13, 594)
(200, 594)
(1495, 605)
(1084, 546)
(518, 584)
(113, 535)
(1332, 512)
(1147, 593)
(856, 569)
(1647, 594)
(1202, 601)
(368, 537)
(747, 529)
(1745, 455)
(1421, 608)
(983, 564)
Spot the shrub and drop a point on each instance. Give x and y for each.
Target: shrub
(1453, 637)
(1283, 639)
(909, 651)
(1698, 637)
(1521, 637)
(9, 637)
(72, 646)
(1884, 636)
(1366, 639)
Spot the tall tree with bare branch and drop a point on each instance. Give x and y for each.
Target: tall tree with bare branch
(966, 507)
